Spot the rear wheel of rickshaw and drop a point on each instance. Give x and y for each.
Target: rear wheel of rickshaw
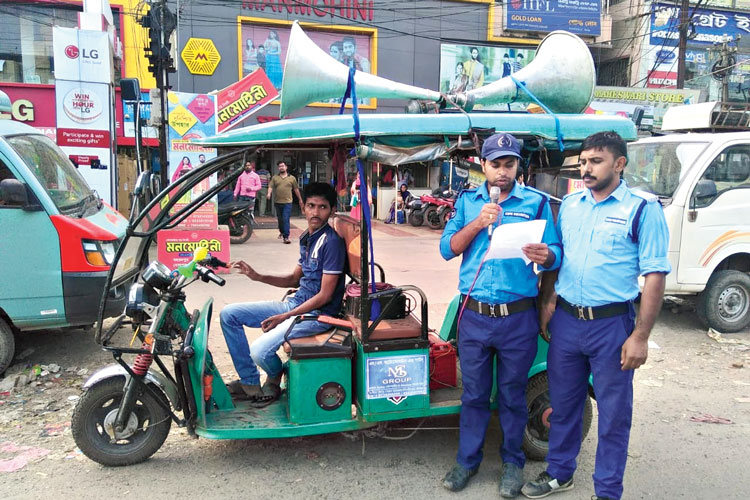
(432, 218)
(536, 434)
(93, 425)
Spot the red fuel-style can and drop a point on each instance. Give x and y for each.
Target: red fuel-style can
(442, 363)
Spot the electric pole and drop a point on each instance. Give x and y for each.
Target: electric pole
(682, 46)
(723, 66)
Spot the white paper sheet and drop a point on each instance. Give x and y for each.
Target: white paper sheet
(507, 239)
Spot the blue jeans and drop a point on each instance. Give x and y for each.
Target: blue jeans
(512, 339)
(283, 212)
(578, 348)
(262, 353)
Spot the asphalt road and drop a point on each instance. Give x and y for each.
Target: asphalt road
(688, 377)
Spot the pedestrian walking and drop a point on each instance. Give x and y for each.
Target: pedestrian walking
(498, 317)
(281, 186)
(248, 184)
(610, 235)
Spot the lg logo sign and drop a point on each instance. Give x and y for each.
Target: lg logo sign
(72, 52)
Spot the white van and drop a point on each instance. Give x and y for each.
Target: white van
(703, 183)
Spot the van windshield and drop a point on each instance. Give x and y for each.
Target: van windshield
(53, 170)
(658, 167)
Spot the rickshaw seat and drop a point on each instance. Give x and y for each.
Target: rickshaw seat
(391, 329)
(333, 343)
(348, 230)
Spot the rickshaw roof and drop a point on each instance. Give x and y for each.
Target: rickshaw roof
(413, 129)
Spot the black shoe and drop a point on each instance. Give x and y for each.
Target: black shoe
(545, 485)
(594, 497)
(457, 478)
(286, 241)
(511, 481)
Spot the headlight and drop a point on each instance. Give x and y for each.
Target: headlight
(157, 275)
(142, 302)
(99, 253)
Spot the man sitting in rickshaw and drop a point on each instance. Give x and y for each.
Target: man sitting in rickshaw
(319, 274)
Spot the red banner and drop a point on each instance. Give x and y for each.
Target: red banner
(175, 247)
(242, 99)
(83, 138)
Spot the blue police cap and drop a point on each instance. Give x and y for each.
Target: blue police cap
(499, 145)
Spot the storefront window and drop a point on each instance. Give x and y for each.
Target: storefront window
(26, 40)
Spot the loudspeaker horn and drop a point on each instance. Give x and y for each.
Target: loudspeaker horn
(312, 75)
(562, 76)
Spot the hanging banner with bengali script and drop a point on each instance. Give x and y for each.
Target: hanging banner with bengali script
(242, 99)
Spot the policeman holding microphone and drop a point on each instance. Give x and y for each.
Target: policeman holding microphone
(610, 236)
(498, 317)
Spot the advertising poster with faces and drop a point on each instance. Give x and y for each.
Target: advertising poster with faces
(265, 47)
(192, 116)
(467, 67)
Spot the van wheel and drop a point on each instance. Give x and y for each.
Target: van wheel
(7, 345)
(536, 434)
(725, 303)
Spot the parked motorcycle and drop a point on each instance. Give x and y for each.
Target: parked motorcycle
(438, 207)
(238, 215)
(415, 212)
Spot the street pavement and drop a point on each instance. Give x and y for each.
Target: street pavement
(689, 382)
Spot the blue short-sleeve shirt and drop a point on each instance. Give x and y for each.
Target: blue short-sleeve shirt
(602, 259)
(322, 252)
(506, 280)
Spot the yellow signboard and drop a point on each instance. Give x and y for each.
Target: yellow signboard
(182, 120)
(200, 56)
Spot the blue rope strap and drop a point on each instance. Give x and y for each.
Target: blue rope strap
(534, 98)
(351, 92)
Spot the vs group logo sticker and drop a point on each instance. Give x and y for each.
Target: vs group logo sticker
(71, 51)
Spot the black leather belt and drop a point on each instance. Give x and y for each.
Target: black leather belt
(596, 312)
(498, 310)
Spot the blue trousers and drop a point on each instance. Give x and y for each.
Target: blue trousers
(247, 358)
(579, 348)
(283, 212)
(513, 341)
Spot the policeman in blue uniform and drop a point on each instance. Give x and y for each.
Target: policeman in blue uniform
(498, 317)
(610, 236)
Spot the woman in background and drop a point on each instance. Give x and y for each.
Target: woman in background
(273, 58)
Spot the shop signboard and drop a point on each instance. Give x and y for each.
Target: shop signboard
(263, 44)
(467, 67)
(242, 99)
(82, 55)
(84, 104)
(710, 25)
(582, 17)
(33, 106)
(624, 101)
(192, 116)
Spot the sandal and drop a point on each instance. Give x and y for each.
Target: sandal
(271, 392)
(244, 392)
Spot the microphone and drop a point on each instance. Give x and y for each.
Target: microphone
(494, 197)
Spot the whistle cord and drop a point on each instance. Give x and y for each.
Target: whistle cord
(520, 85)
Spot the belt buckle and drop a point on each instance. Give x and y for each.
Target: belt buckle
(582, 313)
(491, 309)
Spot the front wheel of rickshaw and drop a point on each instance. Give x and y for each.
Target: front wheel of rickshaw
(93, 420)
(536, 434)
